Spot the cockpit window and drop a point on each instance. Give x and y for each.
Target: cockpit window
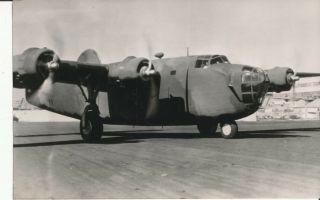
(219, 59)
(210, 59)
(201, 63)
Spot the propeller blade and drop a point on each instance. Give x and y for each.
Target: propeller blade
(55, 58)
(45, 91)
(149, 55)
(293, 97)
(153, 103)
(306, 74)
(147, 72)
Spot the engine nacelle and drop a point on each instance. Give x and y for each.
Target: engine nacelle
(128, 69)
(29, 68)
(280, 79)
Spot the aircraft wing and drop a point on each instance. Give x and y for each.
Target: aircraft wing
(38, 70)
(36, 66)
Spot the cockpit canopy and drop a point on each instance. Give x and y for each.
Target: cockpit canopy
(210, 60)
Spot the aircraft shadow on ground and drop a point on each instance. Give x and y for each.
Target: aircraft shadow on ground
(109, 140)
(243, 134)
(136, 136)
(59, 134)
(45, 135)
(275, 133)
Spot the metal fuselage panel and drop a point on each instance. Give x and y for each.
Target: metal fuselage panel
(210, 95)
(173, 99)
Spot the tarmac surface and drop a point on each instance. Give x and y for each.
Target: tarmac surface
(269, 159)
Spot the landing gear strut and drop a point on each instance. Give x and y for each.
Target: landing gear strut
(229, 129)
(91, 126)
(207, 127)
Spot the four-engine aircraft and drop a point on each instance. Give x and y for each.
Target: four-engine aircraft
(204, 90)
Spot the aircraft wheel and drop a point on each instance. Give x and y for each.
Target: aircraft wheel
(229, 129)
(91, 126)
(207, 127)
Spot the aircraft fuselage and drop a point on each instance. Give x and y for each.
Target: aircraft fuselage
(187, 91)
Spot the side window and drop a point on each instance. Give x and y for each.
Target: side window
(198, 64)
(205, 63)
(201, 63)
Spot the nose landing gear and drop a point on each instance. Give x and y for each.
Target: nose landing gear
(208, 127)
(229, 129)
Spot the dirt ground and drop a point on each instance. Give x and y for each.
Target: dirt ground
(269, 159)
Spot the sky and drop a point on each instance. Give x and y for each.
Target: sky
(253, 32)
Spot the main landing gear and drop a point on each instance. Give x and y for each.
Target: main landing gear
(208, 128)
(91, 125)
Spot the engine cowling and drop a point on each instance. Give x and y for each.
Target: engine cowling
(30, 67)
(128, 69)
(280, 79)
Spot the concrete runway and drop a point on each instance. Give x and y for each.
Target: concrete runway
(268, 160)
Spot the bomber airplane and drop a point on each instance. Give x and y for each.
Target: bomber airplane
(204, 90)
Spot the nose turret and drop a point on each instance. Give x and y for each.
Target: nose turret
(253, 84)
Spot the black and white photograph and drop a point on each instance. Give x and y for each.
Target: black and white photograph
(165, 99)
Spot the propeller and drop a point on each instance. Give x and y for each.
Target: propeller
(48, 67)
(292, 78)
(149, 73)
(45, 91)
(306, 74)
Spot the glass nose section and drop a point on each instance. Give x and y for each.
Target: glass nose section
(253, 87)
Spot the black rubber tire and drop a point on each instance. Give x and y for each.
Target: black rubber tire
(207, 127)
(229, 129)
(91, 126)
